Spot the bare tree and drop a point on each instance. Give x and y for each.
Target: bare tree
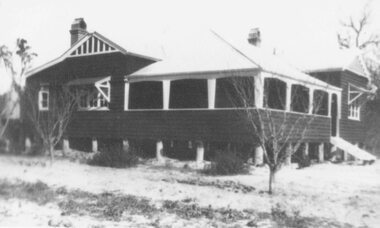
(11, 99)
(51, 124)
(356, 32)
(279, 133)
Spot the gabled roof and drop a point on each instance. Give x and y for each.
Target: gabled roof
(87, 43)
(211, 53)
(339, 60)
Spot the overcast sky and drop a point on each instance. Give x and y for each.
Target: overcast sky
(291, 26)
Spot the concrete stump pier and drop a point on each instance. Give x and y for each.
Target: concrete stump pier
(159, 150)
(200, 152)
(94, 145)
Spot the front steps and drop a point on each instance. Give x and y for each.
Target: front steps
(352, 149)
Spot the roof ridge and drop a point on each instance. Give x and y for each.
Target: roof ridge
(235, 49)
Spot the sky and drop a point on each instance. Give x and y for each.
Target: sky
(293, 27)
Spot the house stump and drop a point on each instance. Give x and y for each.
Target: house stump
(159, 150)
(200, 152)
(94, 145)
(259, 155)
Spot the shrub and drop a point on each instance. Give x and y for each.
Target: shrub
(37, 192)
(304, 162)
(285, 217)
(115, 156)
(226, 163)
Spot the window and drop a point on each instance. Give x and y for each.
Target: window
(354, 110)
(354, 101)
(43, 98)
(92, 93)
(90, 98)
(274, 93)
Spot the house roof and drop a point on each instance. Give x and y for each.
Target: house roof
(338, 60)
(210, 53)
(70, 52)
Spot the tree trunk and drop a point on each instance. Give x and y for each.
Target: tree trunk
(51, 153)
(272, 179)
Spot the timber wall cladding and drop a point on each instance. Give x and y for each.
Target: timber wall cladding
(207, 125)
(351, 130)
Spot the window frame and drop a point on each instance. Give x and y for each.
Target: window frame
(44, 89)
(94, 94)
(354, 110)
(353, 103)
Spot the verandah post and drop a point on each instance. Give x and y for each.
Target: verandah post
(211, 88)
(288, 96)
(311, 100)
(259, 90)
(166, 94)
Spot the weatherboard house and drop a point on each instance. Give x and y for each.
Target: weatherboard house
(179, 104)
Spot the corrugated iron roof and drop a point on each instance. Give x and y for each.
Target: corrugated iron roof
(211, 53)
(339, 60)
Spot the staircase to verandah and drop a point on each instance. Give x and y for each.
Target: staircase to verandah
(352, 149)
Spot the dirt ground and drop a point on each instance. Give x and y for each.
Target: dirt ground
(347, 194)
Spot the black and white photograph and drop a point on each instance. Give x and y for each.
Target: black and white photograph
(179, 113)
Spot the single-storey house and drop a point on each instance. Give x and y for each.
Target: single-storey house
(180, 104)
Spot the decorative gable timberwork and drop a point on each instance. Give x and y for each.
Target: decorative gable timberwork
(355, 92)
(93, 45)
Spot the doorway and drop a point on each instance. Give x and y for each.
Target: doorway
(334, 115)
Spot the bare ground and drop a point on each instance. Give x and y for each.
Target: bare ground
(328, 195)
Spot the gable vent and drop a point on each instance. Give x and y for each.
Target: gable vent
(93, 46)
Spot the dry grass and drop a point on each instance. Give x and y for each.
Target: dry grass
(111, 206)
(325, 195)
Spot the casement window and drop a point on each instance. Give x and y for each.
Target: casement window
(354, 101)
(354, 110)
(89, 98)
(43, 98)
(93, 96)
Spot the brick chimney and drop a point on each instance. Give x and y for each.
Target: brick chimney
(254, 37)
(78, 30)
